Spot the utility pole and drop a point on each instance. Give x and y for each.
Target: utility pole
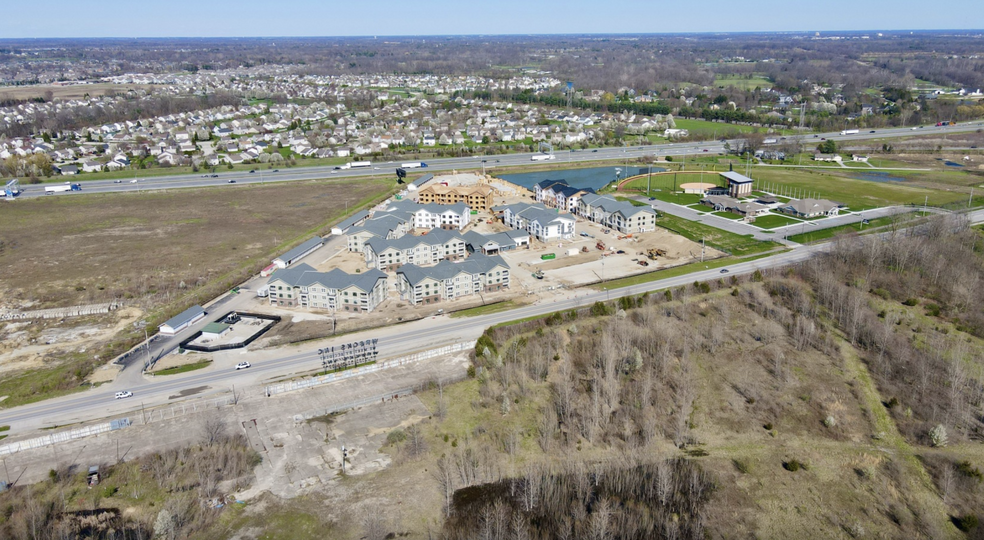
(702, 249)
(970, 201)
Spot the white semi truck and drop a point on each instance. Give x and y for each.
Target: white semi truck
(67, 186)
(542, 157)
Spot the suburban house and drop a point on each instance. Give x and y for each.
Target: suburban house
(182, 320)
(542, 223)
(477, 197)
(622, 216)
(448, 280)
(303, 286)
(739, 185)
(433, 247)
(299, 252)
(808, 208)
(827, 157)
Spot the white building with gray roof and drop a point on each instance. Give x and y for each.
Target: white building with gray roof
(431, 248)
(541, 222)
(335, 290)
(619, 215)
(448, 280)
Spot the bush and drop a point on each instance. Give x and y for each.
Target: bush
(910, 302)
(599, 309)
(892, 403)
(471, 372)
(396, 436)
(966, 469)
(793, 465)
(767, 426)
(830, 421)
(741, 465)
(966, 523)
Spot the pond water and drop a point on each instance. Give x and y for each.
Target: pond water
(875, 176)
(593, 177)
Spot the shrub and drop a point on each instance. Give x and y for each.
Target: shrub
(966, 469)
(910, 302)
(396, 436)
(471, 372)
(767, 426)
(830, 421)
(892, 403)
(599, 309)
(793, 465)
(933, 310)
(741, 465)
(966, 523)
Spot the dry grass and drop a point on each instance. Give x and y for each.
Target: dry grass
(141, 247)
(67, 92)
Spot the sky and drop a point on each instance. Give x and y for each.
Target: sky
(253, 18)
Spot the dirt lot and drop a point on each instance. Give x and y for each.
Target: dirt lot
(574, 270)
(68, 92)
(27, 344)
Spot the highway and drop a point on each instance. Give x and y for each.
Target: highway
(447, 164)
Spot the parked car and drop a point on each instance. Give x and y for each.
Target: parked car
(242, 365)
(620, 252)
(252, 171)
(584, 234)
(117, 181)
(124, 394)
(724, 270)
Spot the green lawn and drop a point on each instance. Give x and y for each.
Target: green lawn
(684, 199)
(484, 310)
(728, 215)
(735, 244)
(771, 221)
(700, 208)
(825, 234)
(185, 368)
(856, 194)
(744, 82)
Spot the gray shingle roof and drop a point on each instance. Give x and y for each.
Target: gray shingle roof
(476, 264)
(301, 249)
(184, 316)
(304, 275)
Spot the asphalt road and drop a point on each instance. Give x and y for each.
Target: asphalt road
(447, 164)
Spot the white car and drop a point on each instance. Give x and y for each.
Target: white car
(242, 365)
(123, 395)
(134, 181)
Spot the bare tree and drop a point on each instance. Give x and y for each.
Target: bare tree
(211, 429)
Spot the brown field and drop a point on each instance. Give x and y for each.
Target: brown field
(67, 92)
(149, 248)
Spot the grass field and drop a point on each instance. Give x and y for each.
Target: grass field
(728, 215)
(185, 368)
(67, 92)
(725, 241)
(744, 82)
(771, 221)
(856, 194)
(825, 234)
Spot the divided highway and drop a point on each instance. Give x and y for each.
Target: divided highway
(467, 163)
